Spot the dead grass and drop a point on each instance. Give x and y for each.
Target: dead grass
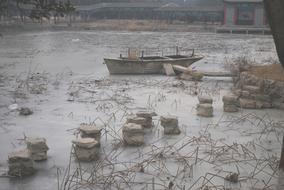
(145, 25)
(129, 25)
(273, 71)
(142, 25)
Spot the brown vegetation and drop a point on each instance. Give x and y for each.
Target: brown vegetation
(273, 71)
(142, 25)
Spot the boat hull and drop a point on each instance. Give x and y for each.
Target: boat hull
(122, 66)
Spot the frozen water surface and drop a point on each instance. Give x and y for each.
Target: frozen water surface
(61, 77)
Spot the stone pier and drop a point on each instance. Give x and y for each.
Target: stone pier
(170, 125)
(148, 116)
(91, 131)
(205, 108)
(230, 103)
(20, 163)
(133, 134)
(38, 148)
(86, 149)
(205, 100)
(137, 120)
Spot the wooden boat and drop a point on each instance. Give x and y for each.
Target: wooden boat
(148, 64)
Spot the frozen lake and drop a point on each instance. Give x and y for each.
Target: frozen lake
(77, 88)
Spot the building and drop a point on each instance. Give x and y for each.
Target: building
(245, 13)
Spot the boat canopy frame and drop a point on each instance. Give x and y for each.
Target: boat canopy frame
(156, 53)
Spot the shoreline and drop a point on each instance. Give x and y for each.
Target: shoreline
(110, 25)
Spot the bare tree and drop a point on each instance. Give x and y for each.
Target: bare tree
(65, 9)
(275, 15)
(3, 8)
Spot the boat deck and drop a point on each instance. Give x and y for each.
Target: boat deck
(153, 58)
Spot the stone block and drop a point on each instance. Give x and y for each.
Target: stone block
(251, 89)
(205, 100)
(245, 94)
(86, 149)
(230, 108)
(230, 100)
(39, 156)
(25, 111)
(278, 105)
(90, 131)
(169, 121)
(230, 103)
(262, 97)
(85, 142)
(133, 134)
(86, 154)
(36, 144)
(237, 92)
(37, 147)
(170, 125)
(145, 122)
(20, 163)
(263, 105)
(148, 115)
(205, 110)
(247, 103)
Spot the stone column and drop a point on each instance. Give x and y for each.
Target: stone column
(20, 163)
(148, 116)
(205, 108)
(138, 120)
(38, 148)
(170, 124)
(86, 149)
(133, 134)
(91, 131)
(230, 103)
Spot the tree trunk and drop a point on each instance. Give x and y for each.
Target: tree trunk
(70, 19)
(275, 16)
(281, 165)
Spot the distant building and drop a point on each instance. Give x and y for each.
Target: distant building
(244, 13)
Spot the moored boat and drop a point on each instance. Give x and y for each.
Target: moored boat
(148, 64)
